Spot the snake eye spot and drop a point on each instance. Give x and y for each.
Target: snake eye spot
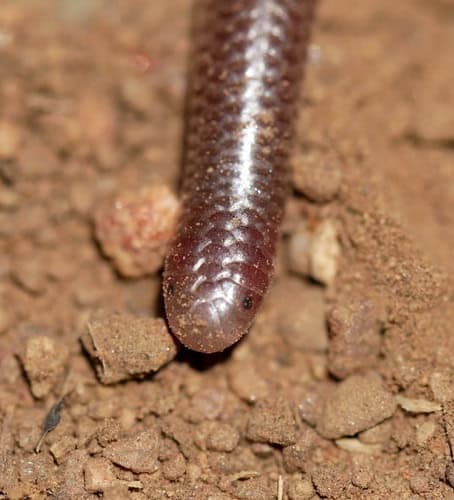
(247, 302)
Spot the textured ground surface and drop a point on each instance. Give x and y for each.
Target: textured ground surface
(344, 387)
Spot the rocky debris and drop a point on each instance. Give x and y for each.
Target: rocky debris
(300, 314)
(356, 404)
(44, 360)
(272, 421)
(138, 453)
(317, 174)
(354, 336)
(417, 405)
(134, 230)
(123, 346)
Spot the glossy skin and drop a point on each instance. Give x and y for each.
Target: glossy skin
(244, 94)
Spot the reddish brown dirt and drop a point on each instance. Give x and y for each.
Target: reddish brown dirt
(344, 388)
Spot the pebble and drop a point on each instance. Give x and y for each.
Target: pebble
(354, 336)
(124, 346)
(72, 475)
(356, 404)
(138, 453)
(209, 402)
(363, 473)
(324, 253)
(417, 405)
(174, 468)
(299, 247)
(62, 448)
(222, 437)
(330, 480)
(99, 475)
(272, 421)
(317, 175)
(295, 457)
(134, 229)
(420, 484)
(441, 384)
(354, 445)
(108, 432)
(246, 382)
(425, 431)
(300, 310)
(44, 360)
(300, 489)
(379, 434)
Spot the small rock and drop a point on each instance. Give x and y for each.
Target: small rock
(223, 437)
(125, 346)
(253, 488)
(379, 434)
(363, 475)
(310, 406)
(356, 404)
(102, 409)
(300, 489)
(354, 337)
(193, 473)
(272, 421)
(120, 490)
(262, 450)
(99, 475)
(324, 253)
(330, 480)
(138, 453)
(44, 360)
(135, 229)
(300, 310)
(174, 468)
(317, 175)
(417, 405)
(62, 448)
(354, 445)
(295, 457)
(109, 431)
(425, 431)
(420, 484)
(209, 402)
(246, 382)
(72, 475)
(299, 249)
(181, 432)
(442, 385)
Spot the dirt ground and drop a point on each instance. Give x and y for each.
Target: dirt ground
(344, 387)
